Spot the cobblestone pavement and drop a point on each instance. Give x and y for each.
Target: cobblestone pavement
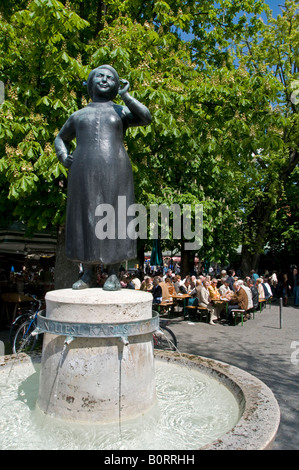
(261, 348)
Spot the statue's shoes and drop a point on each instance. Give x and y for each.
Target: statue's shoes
(85, 282)
(81, 285)
(112, 283)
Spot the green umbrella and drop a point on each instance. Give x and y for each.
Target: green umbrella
(156, 255)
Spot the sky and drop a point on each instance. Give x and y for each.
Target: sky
(274, 5)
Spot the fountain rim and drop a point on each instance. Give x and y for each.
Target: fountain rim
(259, 411)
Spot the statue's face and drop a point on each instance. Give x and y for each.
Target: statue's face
(104, 84)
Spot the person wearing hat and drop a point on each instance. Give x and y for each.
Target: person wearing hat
(224, 289)
(254, 293)
(100, 175)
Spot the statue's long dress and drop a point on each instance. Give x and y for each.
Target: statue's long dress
(101, 172)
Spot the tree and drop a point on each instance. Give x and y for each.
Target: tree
(271, 59)
(43, 75)
(210, 106)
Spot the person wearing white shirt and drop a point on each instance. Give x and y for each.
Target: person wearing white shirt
(205, 301)
(224, 289)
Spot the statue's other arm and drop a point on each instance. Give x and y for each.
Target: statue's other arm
(62, 141)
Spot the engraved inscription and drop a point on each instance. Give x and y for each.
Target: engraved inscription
(100, 330)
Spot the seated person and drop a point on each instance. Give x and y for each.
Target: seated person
(168, 275)
(215, 295)
(136, 281)
(193, 282)
(224, 289)
(196, 291)
(165, 291)
(231, 278)
(204, 301)
(157, 291)
(254, 293)
(249, 294)
(123, 281)
(179, 285)
(186, 286)
(170, 286)
(267, 288)
(130, 283)
(213, 291)
(240, 301)
(146, 284)
(260, 289)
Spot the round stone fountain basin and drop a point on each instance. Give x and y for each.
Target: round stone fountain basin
(243, 414)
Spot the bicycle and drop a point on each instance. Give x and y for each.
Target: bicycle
(164, 338)
(24, 340)
(22, 316)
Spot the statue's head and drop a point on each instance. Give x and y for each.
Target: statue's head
(103, 82)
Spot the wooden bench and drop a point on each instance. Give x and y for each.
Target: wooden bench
(196, 309)
(261, 302)
(239, 313)
(166, 306)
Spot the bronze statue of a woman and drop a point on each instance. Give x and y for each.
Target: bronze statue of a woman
(99, 172)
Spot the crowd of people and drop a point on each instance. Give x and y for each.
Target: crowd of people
(220, 295)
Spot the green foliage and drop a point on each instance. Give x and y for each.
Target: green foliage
(43, 75)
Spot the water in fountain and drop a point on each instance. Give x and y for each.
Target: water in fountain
(193, 409)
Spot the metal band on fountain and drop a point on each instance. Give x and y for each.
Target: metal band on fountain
(97, 330)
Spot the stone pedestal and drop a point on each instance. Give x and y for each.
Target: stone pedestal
(93, 369)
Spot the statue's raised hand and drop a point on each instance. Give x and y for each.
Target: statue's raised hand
(124, 87)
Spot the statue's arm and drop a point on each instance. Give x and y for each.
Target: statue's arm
(62, 143)
(136, 113)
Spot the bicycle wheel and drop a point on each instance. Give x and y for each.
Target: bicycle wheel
(16, 325)
(165, 339)
(23, 340)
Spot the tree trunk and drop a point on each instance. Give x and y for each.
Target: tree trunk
(140, 252)
(249, 261)
(255, 235)
(187, 261)
(66, 271)
(100, 16)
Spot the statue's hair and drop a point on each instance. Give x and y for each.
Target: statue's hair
(92, 74)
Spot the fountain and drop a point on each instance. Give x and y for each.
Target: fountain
(99, 386)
